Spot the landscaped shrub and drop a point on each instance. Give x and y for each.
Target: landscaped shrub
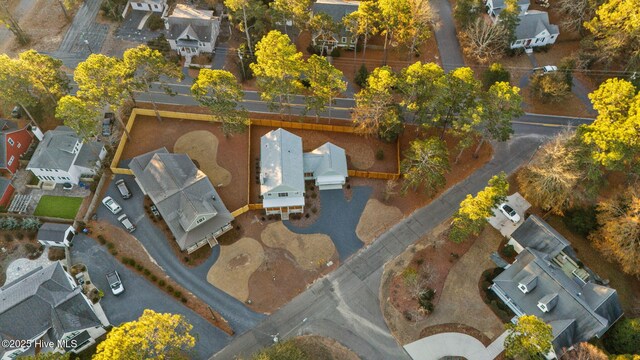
(379, 154)
(9, 223)
(177, 293)
(154, 278)
(113, 252)
(8, 237)
(110, 246)
(139, 267)
(170, 288)
(624, 337)
(30, 248)
(19, 236)
(30, 223)
(132, 262)
(314, 210)
(147, 272)
(582, 221)
(361, 76)
(155, 22)
(56, 253)
(335, 52)
(314, 195)
(162, 283)
(101, 239)
(508, 251)
(184, 299)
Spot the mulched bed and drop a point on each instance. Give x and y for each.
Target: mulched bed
(17, 244)
(496, 305)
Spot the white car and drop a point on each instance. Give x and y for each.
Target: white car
(115, 283)
(547, 68)
(124, 220)
(111, 205)
(510, 213)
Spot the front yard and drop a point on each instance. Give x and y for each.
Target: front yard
(58, 206)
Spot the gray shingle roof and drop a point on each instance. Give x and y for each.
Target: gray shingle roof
(187, 22)
(537, 234)
(581, 312)
(499, 4)
(182, 194)
(89, 154)
(55, 151)
(52, 232)
(533, 23)
(43, 300)
(4, 184)
(337, 9)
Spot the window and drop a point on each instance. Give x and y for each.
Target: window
(353, 40)
(308, 174)
(10, 141)
(283, 194)
(200, 220)
(11, 160)
(19, 145)
(518, 42)
(344, 40)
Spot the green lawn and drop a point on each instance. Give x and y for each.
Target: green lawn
(58, 206)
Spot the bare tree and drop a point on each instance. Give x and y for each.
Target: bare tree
(484, 41)
(11, 23)
(390, 189)
(576, 12)
(585, 351)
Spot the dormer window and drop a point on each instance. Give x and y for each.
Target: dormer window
(527, 284)
(548, 302)
(543, 307)
(200, 220)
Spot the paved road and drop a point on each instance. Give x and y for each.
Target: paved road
(83, 28)
(239, 316)
(448, 45)
(345, 304)
(140, 295)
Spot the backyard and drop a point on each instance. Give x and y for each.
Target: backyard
(58, 206)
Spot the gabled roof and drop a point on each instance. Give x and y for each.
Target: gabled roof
(532, 23)
(337, 9)
(44, 300)
(55, 151)
(187, 23)
(4, 184)
(581, 312)
(52, 232)
(536, 234)
(327, 160)
(6, 126)
(281, 165)
(182, 193)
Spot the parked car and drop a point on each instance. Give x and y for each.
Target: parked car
(510, 213)
(546, 69)
(155, 212)
(16, 113)
(111, 205)
(67, 186)
(123, 189)
(124, 220)
(107, 124)
(115, 283)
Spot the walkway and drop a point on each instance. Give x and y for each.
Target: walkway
(339, 219)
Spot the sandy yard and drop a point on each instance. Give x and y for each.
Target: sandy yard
(375, 219)
(232, 152)
(42, 20)
(310, 252)
(232, 270)
(202, 147)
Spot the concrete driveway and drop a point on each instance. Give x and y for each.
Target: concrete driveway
(339, 219)
(445, 345)
(151, 237)
(139, 295)
(504, 225)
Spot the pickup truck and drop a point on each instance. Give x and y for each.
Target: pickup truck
(115, 283)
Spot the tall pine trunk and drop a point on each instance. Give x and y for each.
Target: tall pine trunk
(246, 30)
(477, 151)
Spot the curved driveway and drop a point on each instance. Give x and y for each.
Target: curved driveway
(438, 346)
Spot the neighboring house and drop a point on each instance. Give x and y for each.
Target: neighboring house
(547, 280)
(284, 168)
(56, 235)
(533, 27)
(281, 173)
(47, 306)
(185, 198)
(327, 165)
(157, 6)
(192, 31)
(14, 142)
(337, 10)
(6, 190)
(62, 157)
(495, 7)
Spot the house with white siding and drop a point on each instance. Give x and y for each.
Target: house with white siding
(192, 31)
(533, 27)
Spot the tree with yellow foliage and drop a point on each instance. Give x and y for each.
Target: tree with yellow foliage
(152, 336)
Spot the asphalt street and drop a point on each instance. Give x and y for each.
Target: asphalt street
(139, 295)
(151, 237)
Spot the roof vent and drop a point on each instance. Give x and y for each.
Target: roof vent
(548, 302)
